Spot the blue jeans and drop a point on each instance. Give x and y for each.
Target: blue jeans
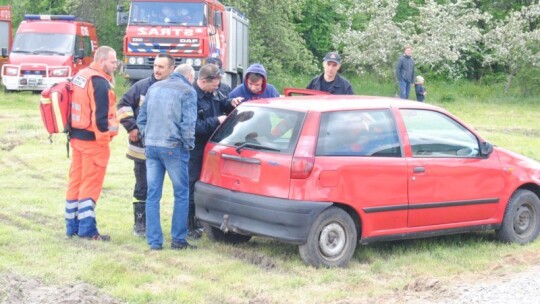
(174, 161)
(404, 89)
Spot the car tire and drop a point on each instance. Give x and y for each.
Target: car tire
(216, 235)
(331, 239)
(521, 222)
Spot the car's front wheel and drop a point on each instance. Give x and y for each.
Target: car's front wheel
(331, 240)
(521, 222)
(216, 235)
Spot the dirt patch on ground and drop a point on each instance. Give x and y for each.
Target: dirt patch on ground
(15, 289)
(256, 259)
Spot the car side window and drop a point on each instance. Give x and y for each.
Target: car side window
(434, 134)
(358, 133)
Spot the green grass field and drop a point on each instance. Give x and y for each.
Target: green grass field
(33, 178)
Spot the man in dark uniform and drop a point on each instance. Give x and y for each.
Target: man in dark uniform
(211, 112)
(224, 89)
(128, 110)
(330, 81)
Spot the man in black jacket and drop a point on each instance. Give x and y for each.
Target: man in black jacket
(212, 109)
(330, 81)
(128, 110)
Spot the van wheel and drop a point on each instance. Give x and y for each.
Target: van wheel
(216, 235)
(331, 240)
(521, 222)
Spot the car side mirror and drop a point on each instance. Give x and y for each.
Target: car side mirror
(217, 19)
(4, 52)
(121, 16)
(79, 54)
(486, 148)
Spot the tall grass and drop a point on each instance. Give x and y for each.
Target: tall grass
(33, 177)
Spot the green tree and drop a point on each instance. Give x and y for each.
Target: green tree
(273, 40)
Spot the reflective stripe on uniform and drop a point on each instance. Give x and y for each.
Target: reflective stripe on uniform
(125, 112)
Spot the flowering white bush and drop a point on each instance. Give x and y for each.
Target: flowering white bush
(512, 43)
(444, 36)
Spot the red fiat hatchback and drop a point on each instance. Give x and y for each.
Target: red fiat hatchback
(328, 172)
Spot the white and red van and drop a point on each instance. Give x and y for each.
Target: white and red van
(48, 49)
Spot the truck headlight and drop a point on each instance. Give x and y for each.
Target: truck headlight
(12, 71)
(132, 60)
(197, 62)
(140, 60)
(60, 72)
(189, 61)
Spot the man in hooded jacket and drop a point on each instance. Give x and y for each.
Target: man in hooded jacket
(255, 85)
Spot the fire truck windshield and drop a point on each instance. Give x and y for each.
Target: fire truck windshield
(44, 43)
(167, 13)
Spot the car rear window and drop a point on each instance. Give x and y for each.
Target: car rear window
(261, 128)
(358, 133)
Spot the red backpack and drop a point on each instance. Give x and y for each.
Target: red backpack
(55, 107)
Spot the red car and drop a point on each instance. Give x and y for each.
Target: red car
(328, 172)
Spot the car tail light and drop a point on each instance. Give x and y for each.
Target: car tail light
(304, 157)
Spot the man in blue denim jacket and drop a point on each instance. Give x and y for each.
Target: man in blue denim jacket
(167, 125)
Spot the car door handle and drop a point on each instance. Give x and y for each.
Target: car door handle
(419, 170)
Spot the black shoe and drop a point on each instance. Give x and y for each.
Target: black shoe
(97, 237)
(194, 234)
(156, 248)
(182, 245)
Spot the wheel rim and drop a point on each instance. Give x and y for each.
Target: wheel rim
(332, 241)
(524, 219)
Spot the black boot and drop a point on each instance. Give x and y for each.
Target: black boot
(139, 211)
(193, 232)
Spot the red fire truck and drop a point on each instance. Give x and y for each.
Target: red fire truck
(46, 50)
(189, 30)
(5, 32)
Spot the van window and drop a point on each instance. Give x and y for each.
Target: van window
(44, 43)
(261, 128)
(358, 133)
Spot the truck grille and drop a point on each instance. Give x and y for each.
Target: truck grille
(181, 48)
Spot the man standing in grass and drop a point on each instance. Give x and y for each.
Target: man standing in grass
(167, 124)
(405, 73)
(330, 81)
(128, 110)
(93, 126)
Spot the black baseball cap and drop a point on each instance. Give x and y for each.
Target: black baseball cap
(216, 61)
(333, 56)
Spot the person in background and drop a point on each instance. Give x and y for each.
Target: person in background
(94, 124)
(420, 89)
(330, 81)
(405, 72)
(167, 124)
(128, 110)
(224, 89)
(255, 85)
(211, 112)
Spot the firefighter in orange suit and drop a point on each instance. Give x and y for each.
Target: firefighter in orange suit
(93, 125)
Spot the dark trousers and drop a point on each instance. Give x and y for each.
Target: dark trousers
(195, 167)
(140, 180)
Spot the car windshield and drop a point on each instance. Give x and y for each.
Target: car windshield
(251, 127)
(44, 43)
(164, 13)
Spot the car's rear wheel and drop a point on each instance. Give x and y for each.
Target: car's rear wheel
(216, 235)
(521, 222)
(331, 240)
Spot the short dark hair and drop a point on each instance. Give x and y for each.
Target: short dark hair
(253, 77)
(168, 56)
(209, 72)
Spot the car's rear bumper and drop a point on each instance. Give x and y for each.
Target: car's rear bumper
(282, 219)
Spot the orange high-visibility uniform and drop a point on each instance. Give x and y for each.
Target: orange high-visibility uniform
(90, 150)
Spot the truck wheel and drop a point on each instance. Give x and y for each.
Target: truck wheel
(331, 240)
(216, 235)
(521, 222)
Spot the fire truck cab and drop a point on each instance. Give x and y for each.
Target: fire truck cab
(48, 49)
(5, 32)
(189, 30)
